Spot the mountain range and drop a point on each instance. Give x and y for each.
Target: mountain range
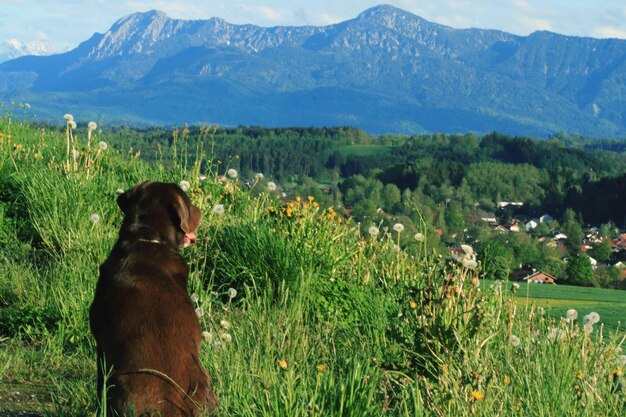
(386, 70)
(13, 48)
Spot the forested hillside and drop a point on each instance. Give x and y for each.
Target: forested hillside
(455, 184)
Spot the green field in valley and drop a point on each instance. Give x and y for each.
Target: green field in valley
(557, 299)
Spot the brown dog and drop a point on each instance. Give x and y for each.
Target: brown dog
(146, 330)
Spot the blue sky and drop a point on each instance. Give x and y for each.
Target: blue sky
(65, 23)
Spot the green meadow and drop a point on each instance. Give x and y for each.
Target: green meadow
(557, 299)
(324, 322)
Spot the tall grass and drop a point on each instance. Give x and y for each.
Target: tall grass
(325, 321)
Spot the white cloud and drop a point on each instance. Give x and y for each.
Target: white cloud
(609, 32)
(270, 14)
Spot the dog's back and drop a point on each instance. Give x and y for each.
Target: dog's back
(146, 328)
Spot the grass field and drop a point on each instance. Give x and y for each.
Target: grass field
(326, 322)
(557, 299)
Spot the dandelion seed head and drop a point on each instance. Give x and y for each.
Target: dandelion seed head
(75, 154)
(271, 186)
(94, 218)
(103, 145)
(225, 324)
(419, 237)
(515, 341)
(194, 297)
(92, 126)
(207, 336)
(571, 314)
(515, 287)
(226, 337)
(469, 251)
(232, 173)
(199, 311)
(72, 124)
(232, 293)
(373, 230)
(68, 117)
(258, 176)
(184, 185)
(469, 263)
(398, 227)
(218, 209)
(202, 178)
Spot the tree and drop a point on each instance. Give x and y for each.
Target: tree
(573, 230)
(579, 268)
(601, 251)
(496, 261)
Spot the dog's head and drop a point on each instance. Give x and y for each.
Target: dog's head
(157, 210)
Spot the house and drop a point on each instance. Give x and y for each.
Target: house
(492, 221)
(540, 277)
(503, 204)
(531, 225)
(546, 218)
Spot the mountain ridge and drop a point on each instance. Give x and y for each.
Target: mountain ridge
(406, 73)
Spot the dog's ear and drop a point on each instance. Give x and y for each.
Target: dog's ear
(130, 197)
(188, 214)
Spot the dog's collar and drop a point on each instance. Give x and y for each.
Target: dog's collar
(150, 240)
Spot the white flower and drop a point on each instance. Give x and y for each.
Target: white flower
(571, 314)
(515, 341)
(184, 185)
(225, 324)
(194, 297)
(218, 209)
(94, 218)
(72, 124)
(515, 287)
(103, 145)
(373, 230)
(232, 293)
(259, 176)
(271, 186)
(199, 311)
(119, 191)
(588, 328)
(398, 227)
(226, 337)
(207, 336)
(469, 251)
(232, 173)
(202, 177)
(75, 154)
(419, 237)
(591, 318)
(469, 263)
(92, 126)
(68, 117)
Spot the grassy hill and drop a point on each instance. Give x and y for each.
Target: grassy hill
(325, 321)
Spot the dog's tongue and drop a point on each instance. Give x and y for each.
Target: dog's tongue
(189, 239)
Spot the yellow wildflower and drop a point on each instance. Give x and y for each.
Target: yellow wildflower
(321, 367)
(580, 374)
(477, 395)
(311, 198)
(507, 380)
(283, 363)
(412, 304)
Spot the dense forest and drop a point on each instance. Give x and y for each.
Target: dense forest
(446, 190)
